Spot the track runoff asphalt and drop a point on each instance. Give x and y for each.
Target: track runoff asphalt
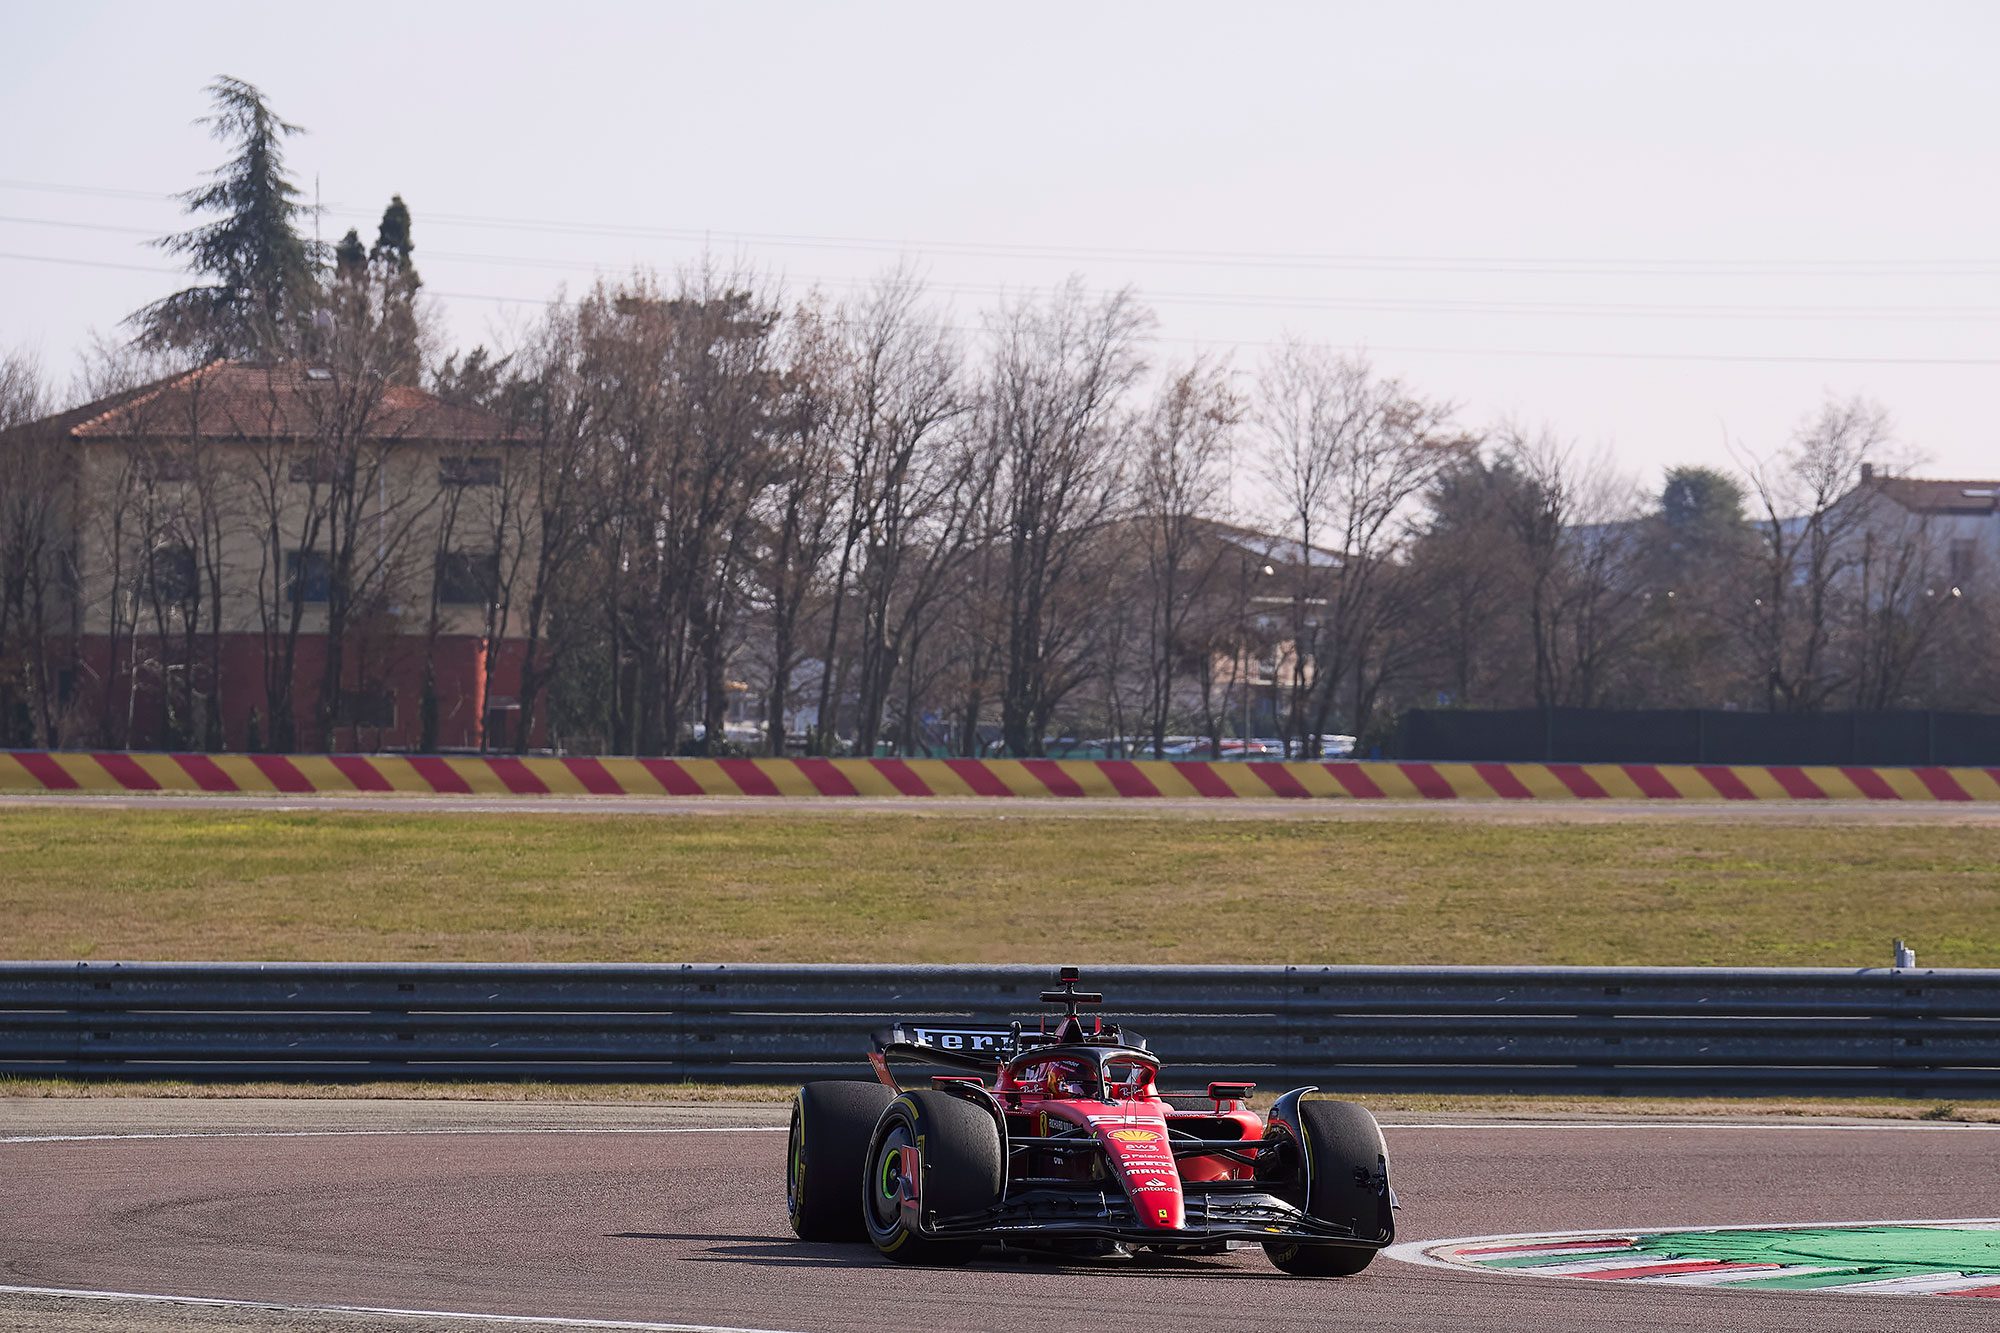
(421, 1215)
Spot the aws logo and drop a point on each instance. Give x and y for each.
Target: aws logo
(1134, 1135)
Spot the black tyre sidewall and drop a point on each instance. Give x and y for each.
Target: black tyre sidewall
(961, 1163)
(1339, 1140)
(826, 1151)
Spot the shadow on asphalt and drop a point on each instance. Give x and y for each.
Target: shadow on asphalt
(781, 1252)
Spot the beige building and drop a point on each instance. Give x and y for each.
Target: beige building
(284, 556)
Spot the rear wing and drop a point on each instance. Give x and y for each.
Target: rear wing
(981, 1049)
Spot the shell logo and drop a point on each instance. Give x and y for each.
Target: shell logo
(1134, 1136)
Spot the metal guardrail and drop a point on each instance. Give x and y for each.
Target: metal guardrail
(1930, 1033)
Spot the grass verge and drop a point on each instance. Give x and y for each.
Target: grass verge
(234, 884)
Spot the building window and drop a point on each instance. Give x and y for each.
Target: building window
(163, 465)
(308, 576)
(170, 572)
(467, 578)
(1962, 549)
(468, 472)
(323, 470)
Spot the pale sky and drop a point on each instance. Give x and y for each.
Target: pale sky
(1648, 227)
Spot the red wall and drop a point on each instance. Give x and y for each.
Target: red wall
(101, 689)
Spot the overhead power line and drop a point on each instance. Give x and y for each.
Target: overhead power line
(1266, 301)
(1497, 264)
(1412, 349)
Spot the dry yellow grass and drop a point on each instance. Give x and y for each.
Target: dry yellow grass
(230, 884)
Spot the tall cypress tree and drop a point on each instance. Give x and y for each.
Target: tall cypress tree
(390, 257)
(392, 238)
(262, 269)
(350, 259)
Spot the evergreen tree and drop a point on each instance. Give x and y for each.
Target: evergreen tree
(390, 260)
(392, 238)
(262, 269)
(1700, 502)
(350, 258)
(478, 378)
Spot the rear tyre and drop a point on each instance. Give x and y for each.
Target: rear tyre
(831, 1124)
(955, 1149)
(1338, 1174)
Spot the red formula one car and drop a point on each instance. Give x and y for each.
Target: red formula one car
(1071, 1148)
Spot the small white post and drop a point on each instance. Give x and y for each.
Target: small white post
(1905, 956)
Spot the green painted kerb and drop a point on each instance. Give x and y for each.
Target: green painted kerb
(1858, 1254)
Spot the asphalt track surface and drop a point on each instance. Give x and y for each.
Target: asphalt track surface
(1576, 812)
(455, 1208)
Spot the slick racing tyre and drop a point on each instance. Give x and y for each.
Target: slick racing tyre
(1338, 1174)
(933, 1155)
(831, 1125)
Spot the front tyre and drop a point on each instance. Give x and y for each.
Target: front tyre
(1336, 1168)
(933, 1156)
(828, 1145)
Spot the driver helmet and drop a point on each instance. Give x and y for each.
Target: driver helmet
(1068, 1078)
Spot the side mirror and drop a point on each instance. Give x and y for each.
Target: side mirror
(1226, 1094)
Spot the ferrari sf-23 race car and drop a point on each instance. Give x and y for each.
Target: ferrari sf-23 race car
(1072, 1149)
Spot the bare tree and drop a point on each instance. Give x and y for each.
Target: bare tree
(1347, 451)
(1575, 519)
(444, 550)
(687, 382)
(553, 448)
(1805, 547)
(377, 493)
(32, 555)
(917, 484)
(976, 625)
(1902, 597)
(1185, 443)
(287, 495)
(799, 513)
(187, 510)
(903, 465)
(1054, 418)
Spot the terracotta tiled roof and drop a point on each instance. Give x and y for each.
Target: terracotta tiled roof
(233, 400)
(1926, 495)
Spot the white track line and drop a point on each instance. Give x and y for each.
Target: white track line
(1580, 1249)
(1600, 1264)
(379, 1312)
(389, 1133)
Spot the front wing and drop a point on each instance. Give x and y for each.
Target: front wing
(1223, 1211)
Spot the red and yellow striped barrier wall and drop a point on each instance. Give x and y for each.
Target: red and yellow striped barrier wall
(500, 775)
